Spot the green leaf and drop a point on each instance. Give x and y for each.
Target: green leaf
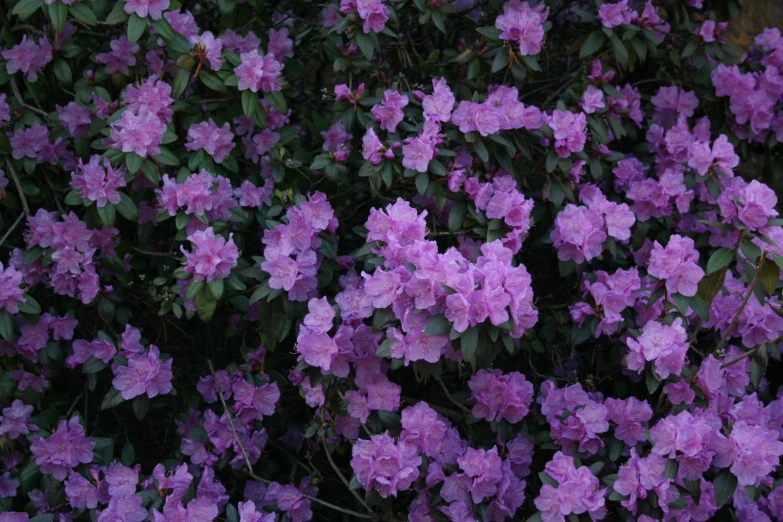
(141, 406)
(46, 517)
(232, 515)
(682, 302)
(481, 150)
(205, 306)
(620, 52)
(24, 9)
(592, 44)
(422, 182)
(166, 157)
(724, 484)
(672, 468)
(180, 83)
(769, 275)
(535, 518)
(112, 399)
(277, 100)
(366, 44)
(249, 102)
(547, 479)
(215, 288)
(93, 365)
(652, 380)
(30, 306)
(133, 162)
(212, 81)
(106, 309)
(719, 259)
(62, 71)
(82, 12)
(128, 455)
(457, 216)
(438, 325)
(6, 325)
(127, 208)
(501, 59)
(136, 27)
(32, 254)
(58, 13)
(117, 14)
(469, 345)
(108, 214)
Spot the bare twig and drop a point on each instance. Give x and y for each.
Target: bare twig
(450, 398)
(750, 352)
(18, 96)
(54, 193)
(151, 253)
(745, 300)
(249, 467)
(10, 230)
(12, 171)
(68, 415)
(342, 477)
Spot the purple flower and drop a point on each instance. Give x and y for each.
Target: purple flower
(75, 118)
(143, 8)
(676, 264)
(280, 45)
(258, 73)
(389, 111)
(500, 396)
(11, 295)
(211, 47)
(124, 509)
(383, 466)
(373, 14)
(145, 373)
(80, 492)
(182, 22)
(64, 450)
(522, 24)
(14, 420)
(578, 234)
(98, 183)
(141, 133)
(483, 468)
(215, 141)
(28, 57)
(592, 100)
(757, 453)
(122, 56)
(153, 95)
(289, 500)
(577, 491)
(615, 14)
(570, 132)
(252, 403)
(666, 345)
(211, 257)
(417, 153)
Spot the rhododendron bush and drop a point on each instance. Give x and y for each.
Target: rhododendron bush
(389, 260)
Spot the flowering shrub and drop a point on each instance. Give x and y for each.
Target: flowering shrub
(389, 260)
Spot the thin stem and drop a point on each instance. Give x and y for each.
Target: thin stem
(151, 253)
(450, 398)
(342, 477)
(54, 193)
(249, 467)
(18, 96)
(749, 353)
(11, 169)
(745, 300)
(8, 233)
